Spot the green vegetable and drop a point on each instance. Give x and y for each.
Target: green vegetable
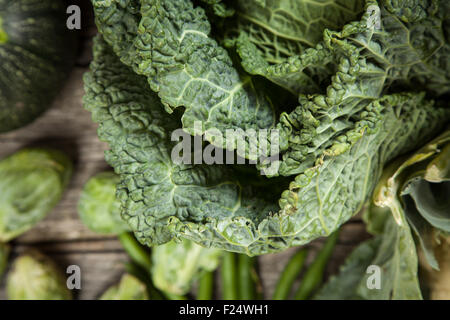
(35, 277)
(37, 52)
(98, 208)
(351, 274)
(143, 275)
(100, 211)
(158, 57)
(137, 253)
(177, 265)
(206, 286)
(246, 287)
(229, 276)
(413, 199)
(129, 288)
(271, 37)
(314, 275)
(393, 252)
(416, 190)
(289, 274)
(397, 259)
(32, 182)
(4, 253)
(219, 8)
(171, 296)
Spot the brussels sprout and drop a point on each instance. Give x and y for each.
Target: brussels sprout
(100, 212)
(129, 288)
(177, 265)
(31, 183)
(35, 277)
(98, 207)
(4, 252)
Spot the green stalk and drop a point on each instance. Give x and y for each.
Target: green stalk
(259, 295)
(136, 251)
(141, 263)
(246, 286)
(171, 296)
(141, 274)
(228, 271)
(314, 275)
(289, 274)
(142, 258)
(206, 286)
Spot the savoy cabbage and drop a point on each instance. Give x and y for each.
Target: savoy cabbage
(410, 201)
(160, 65)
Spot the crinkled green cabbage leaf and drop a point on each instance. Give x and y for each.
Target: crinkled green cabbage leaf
(335, 143)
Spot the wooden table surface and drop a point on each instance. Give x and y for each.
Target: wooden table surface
(62, 236)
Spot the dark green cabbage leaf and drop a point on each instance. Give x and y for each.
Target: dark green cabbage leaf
(211, 204)
(335, 143)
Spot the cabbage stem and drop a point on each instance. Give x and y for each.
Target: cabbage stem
(289, 274)
(136, 251)
(314, 275)
(246, 284)
(229, 280)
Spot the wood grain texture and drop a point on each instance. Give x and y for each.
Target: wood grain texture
(62, 236)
